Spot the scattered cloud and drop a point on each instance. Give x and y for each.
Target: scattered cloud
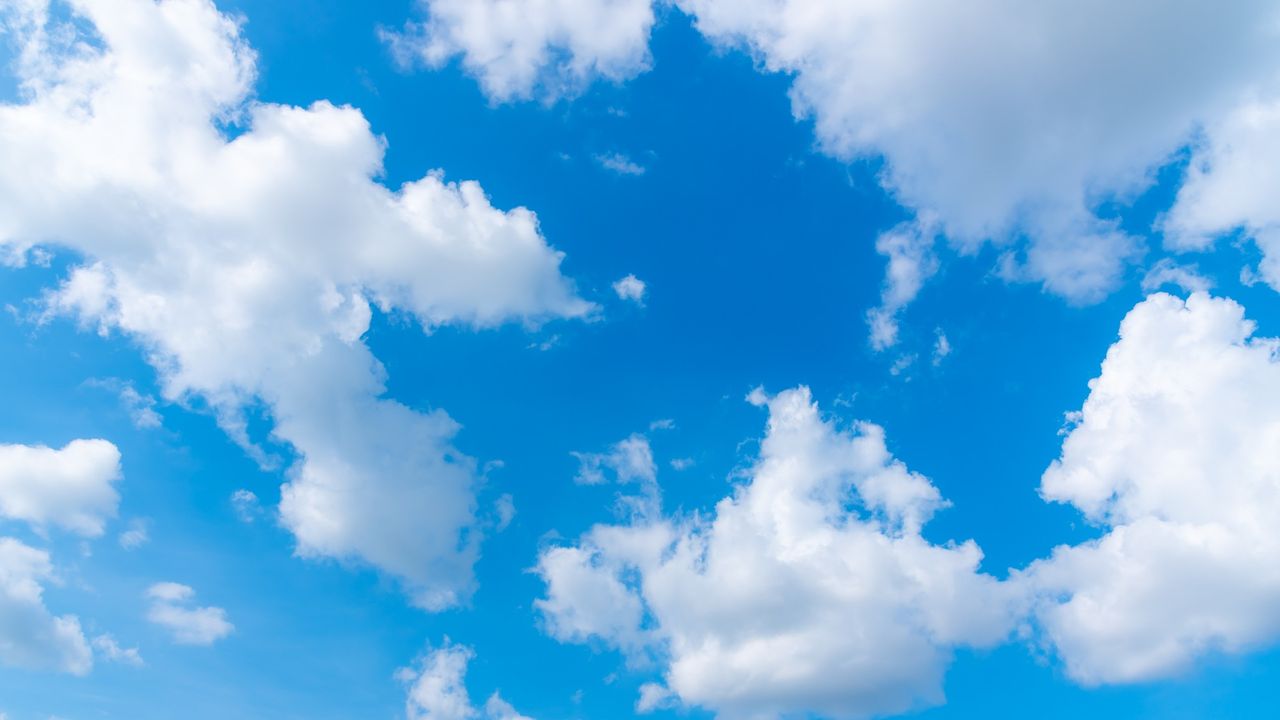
(141, 408)
(505, 507)
(909, 249)
(246, 505)
(172, 609)
(941, 347)
(135, 536)
(108, 648)
(629, 460)
(1186, 278)
(619, 164)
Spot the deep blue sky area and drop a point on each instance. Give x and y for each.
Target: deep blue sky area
(758, 253)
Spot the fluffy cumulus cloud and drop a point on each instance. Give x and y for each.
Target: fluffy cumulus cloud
(72, 488)
(809, 589)
(438, 691)
(1174, 454)
(521, 48)
(248, 266)
(172, 608)
(30, 636)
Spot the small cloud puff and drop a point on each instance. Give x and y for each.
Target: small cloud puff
(170, 609)
(620, 164)
(631, 288)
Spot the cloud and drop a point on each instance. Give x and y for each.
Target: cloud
(171, 609)
(909, 249)
(619, 164)
(31, 637)
(141, 408)
(1174, 455)
(136, 536)
(1168, 272)
(994, 137)
(525, 48)
(438, 691)
(941, 347)
(997, 122)
(630, 460)
(108, 648)
(809, 590)
(248, 267)
(1232, 180)
(71, 488)
(505, 507)
(630, 288)
(246, 505)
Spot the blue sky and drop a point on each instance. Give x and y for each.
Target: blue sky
(722, 162)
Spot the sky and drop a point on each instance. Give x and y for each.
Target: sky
(557, 359)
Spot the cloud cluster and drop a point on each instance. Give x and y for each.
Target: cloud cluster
(810, 589)
(248, 265)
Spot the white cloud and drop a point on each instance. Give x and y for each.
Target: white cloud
(941, 347)
(495, 708)
(1174, 455)
(171, 608)
(630, 288)
(996, 136)
(909, 248)
(1232, 182)
(108, 648)
(30, 636)
(998, 121)
(808, 590)
(246, 505)
(1168, 272)
(438, 691)
(620, 164)
(630, 460)
(71, 488)
(505, 506)
(136, 536)
(522, 48)
(141, 408)
(248, 267)
(653, 696)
